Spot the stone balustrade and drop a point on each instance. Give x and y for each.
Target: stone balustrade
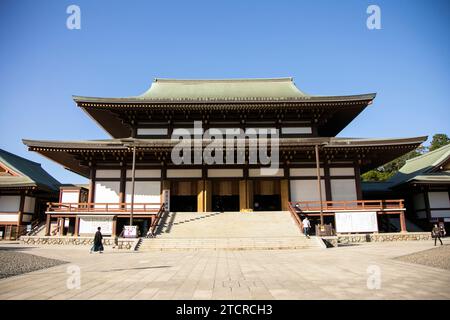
(122, 243)
(375, 237)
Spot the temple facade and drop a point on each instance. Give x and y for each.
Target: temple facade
(137, 169)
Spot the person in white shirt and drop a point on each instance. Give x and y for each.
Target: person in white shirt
(306, 226)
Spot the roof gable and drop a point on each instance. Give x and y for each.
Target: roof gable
(422, 165)
(27, 173)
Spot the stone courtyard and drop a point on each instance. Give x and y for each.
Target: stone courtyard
(316, 273)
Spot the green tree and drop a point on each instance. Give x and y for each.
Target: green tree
(439, 140)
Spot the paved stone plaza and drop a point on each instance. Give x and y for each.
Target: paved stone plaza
(339, 273)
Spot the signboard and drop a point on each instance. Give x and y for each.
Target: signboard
(130, 232)
(356, 222)
(166, 199)
(89, 225)
(28, 227)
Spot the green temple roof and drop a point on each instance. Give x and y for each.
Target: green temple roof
(30, 174)
(223, 90)
(422, 167)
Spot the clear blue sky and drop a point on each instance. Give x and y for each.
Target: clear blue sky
(123, 45)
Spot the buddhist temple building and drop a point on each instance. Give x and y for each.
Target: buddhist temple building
(25, 189)
(424, 183)
(142, 128)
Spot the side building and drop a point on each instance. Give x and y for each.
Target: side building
(424, 182)
(25, 189)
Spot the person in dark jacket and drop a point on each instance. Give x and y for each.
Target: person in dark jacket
(437, 233)
(98, 243)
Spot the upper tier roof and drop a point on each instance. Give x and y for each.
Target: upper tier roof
(176, 90)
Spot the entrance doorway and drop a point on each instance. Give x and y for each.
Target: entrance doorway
(183, 196)
(225, 195)
(267, 195)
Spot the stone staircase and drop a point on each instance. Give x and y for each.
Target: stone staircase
(228, 231)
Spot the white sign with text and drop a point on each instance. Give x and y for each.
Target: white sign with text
(356, 222)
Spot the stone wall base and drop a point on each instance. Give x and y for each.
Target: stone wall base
(122, 244)
(375, 237)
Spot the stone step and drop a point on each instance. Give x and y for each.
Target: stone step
(229, 244)
(227, 225)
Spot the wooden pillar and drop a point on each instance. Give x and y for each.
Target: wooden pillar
(284, 192)
(358, 183)
(402, 222)
(242, 195)
(76, 231)
(201, 196)
(61, 226)
(48, 224)
(250, 186)
(327, 182)
(114, 226)
(21, 207)
(91, 185)
(123, 183)
(207, 196)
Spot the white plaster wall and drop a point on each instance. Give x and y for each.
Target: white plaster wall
(343, 189)
(89, 225)
(144, 173)
(151, 131)
(29, 204)
(439, 199)
(70, 197)
(103, 173)
(184, 173)
(296, 130)
(107, 192)
(225, 173)
(342, 171)
(9, 203)
(144, 192)
(258, 173)
(306, 190)
(440, 213)
(10, 217)
(304, 172)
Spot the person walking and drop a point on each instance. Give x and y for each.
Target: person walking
(306, 226)
(98, 245)
(436, 233)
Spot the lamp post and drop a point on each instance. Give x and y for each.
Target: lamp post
(132, 184)
(319, 185)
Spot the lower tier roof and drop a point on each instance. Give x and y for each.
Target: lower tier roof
(77, 156)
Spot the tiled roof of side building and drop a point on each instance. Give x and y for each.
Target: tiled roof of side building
(29, 173)
(423, 166)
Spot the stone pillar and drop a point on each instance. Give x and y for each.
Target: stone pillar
(284, 190)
